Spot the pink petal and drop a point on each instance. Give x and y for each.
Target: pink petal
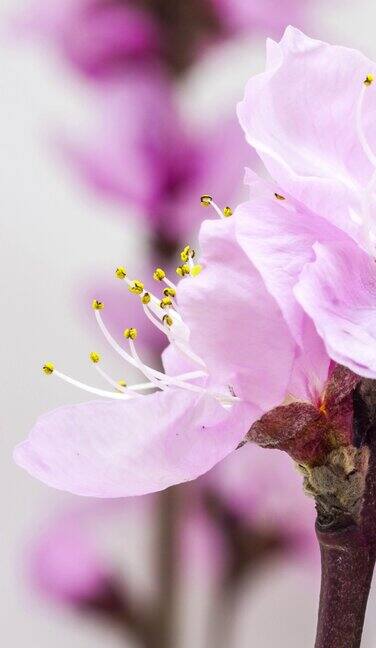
(338, 291)
(175, 362)
(236, 326)
(277, 236)
(300, 115)
(108, 449)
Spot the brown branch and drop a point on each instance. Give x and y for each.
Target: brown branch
(348, 546)
(164, 630)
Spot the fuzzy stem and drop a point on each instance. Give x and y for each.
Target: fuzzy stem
(348, 550)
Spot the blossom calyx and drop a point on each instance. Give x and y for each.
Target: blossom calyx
(309, 432)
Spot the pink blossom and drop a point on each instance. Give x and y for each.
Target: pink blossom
(240, 357)
(64, 564)
(140, 153)
(236, 351)
(279, 288)
(316, 135)
(95, 37)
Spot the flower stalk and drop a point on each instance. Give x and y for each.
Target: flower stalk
(348, 546)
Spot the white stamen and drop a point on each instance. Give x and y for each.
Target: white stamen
(131, 389)
(217, 209)
(93, 390)
(156, 322)
(169, 283)
(126, 356)
(191, 375)
(166, 380)
(147, 371)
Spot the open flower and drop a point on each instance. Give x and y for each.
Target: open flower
(253, 326)
(315, 132)
(229, 365)
(237, 352)
(63, 563)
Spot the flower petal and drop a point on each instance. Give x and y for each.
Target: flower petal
(338, 291)
(277, 237)
(300, 115)
(107, 449)
(236, 326)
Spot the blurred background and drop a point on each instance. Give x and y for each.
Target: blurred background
(115, 116)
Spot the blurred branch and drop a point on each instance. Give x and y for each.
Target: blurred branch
(247, 545)
(169, 505)
(247, 549)
(185, 24)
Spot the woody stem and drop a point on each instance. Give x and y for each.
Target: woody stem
(348, 550)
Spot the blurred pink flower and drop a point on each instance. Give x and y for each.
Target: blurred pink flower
(73, 561)
(140, 153)
(96, 37)
(316, 135)
(64, 564)
(263, 490)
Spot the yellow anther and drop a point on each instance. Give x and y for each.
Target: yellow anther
(159, 274)
(368, 80)
(183, 270)
(279, 196)
(227, 212)
(94, 357)
(166, 302)
(120, 272)
(206, 200)
(136, 287)
(97, 305)
(122, 384)
(48, 368)
(195, 270)
(187, 253)
(169, 292)
(167, 319)
(130, 333)
(145, 298)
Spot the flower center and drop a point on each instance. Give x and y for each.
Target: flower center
(164, 314)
